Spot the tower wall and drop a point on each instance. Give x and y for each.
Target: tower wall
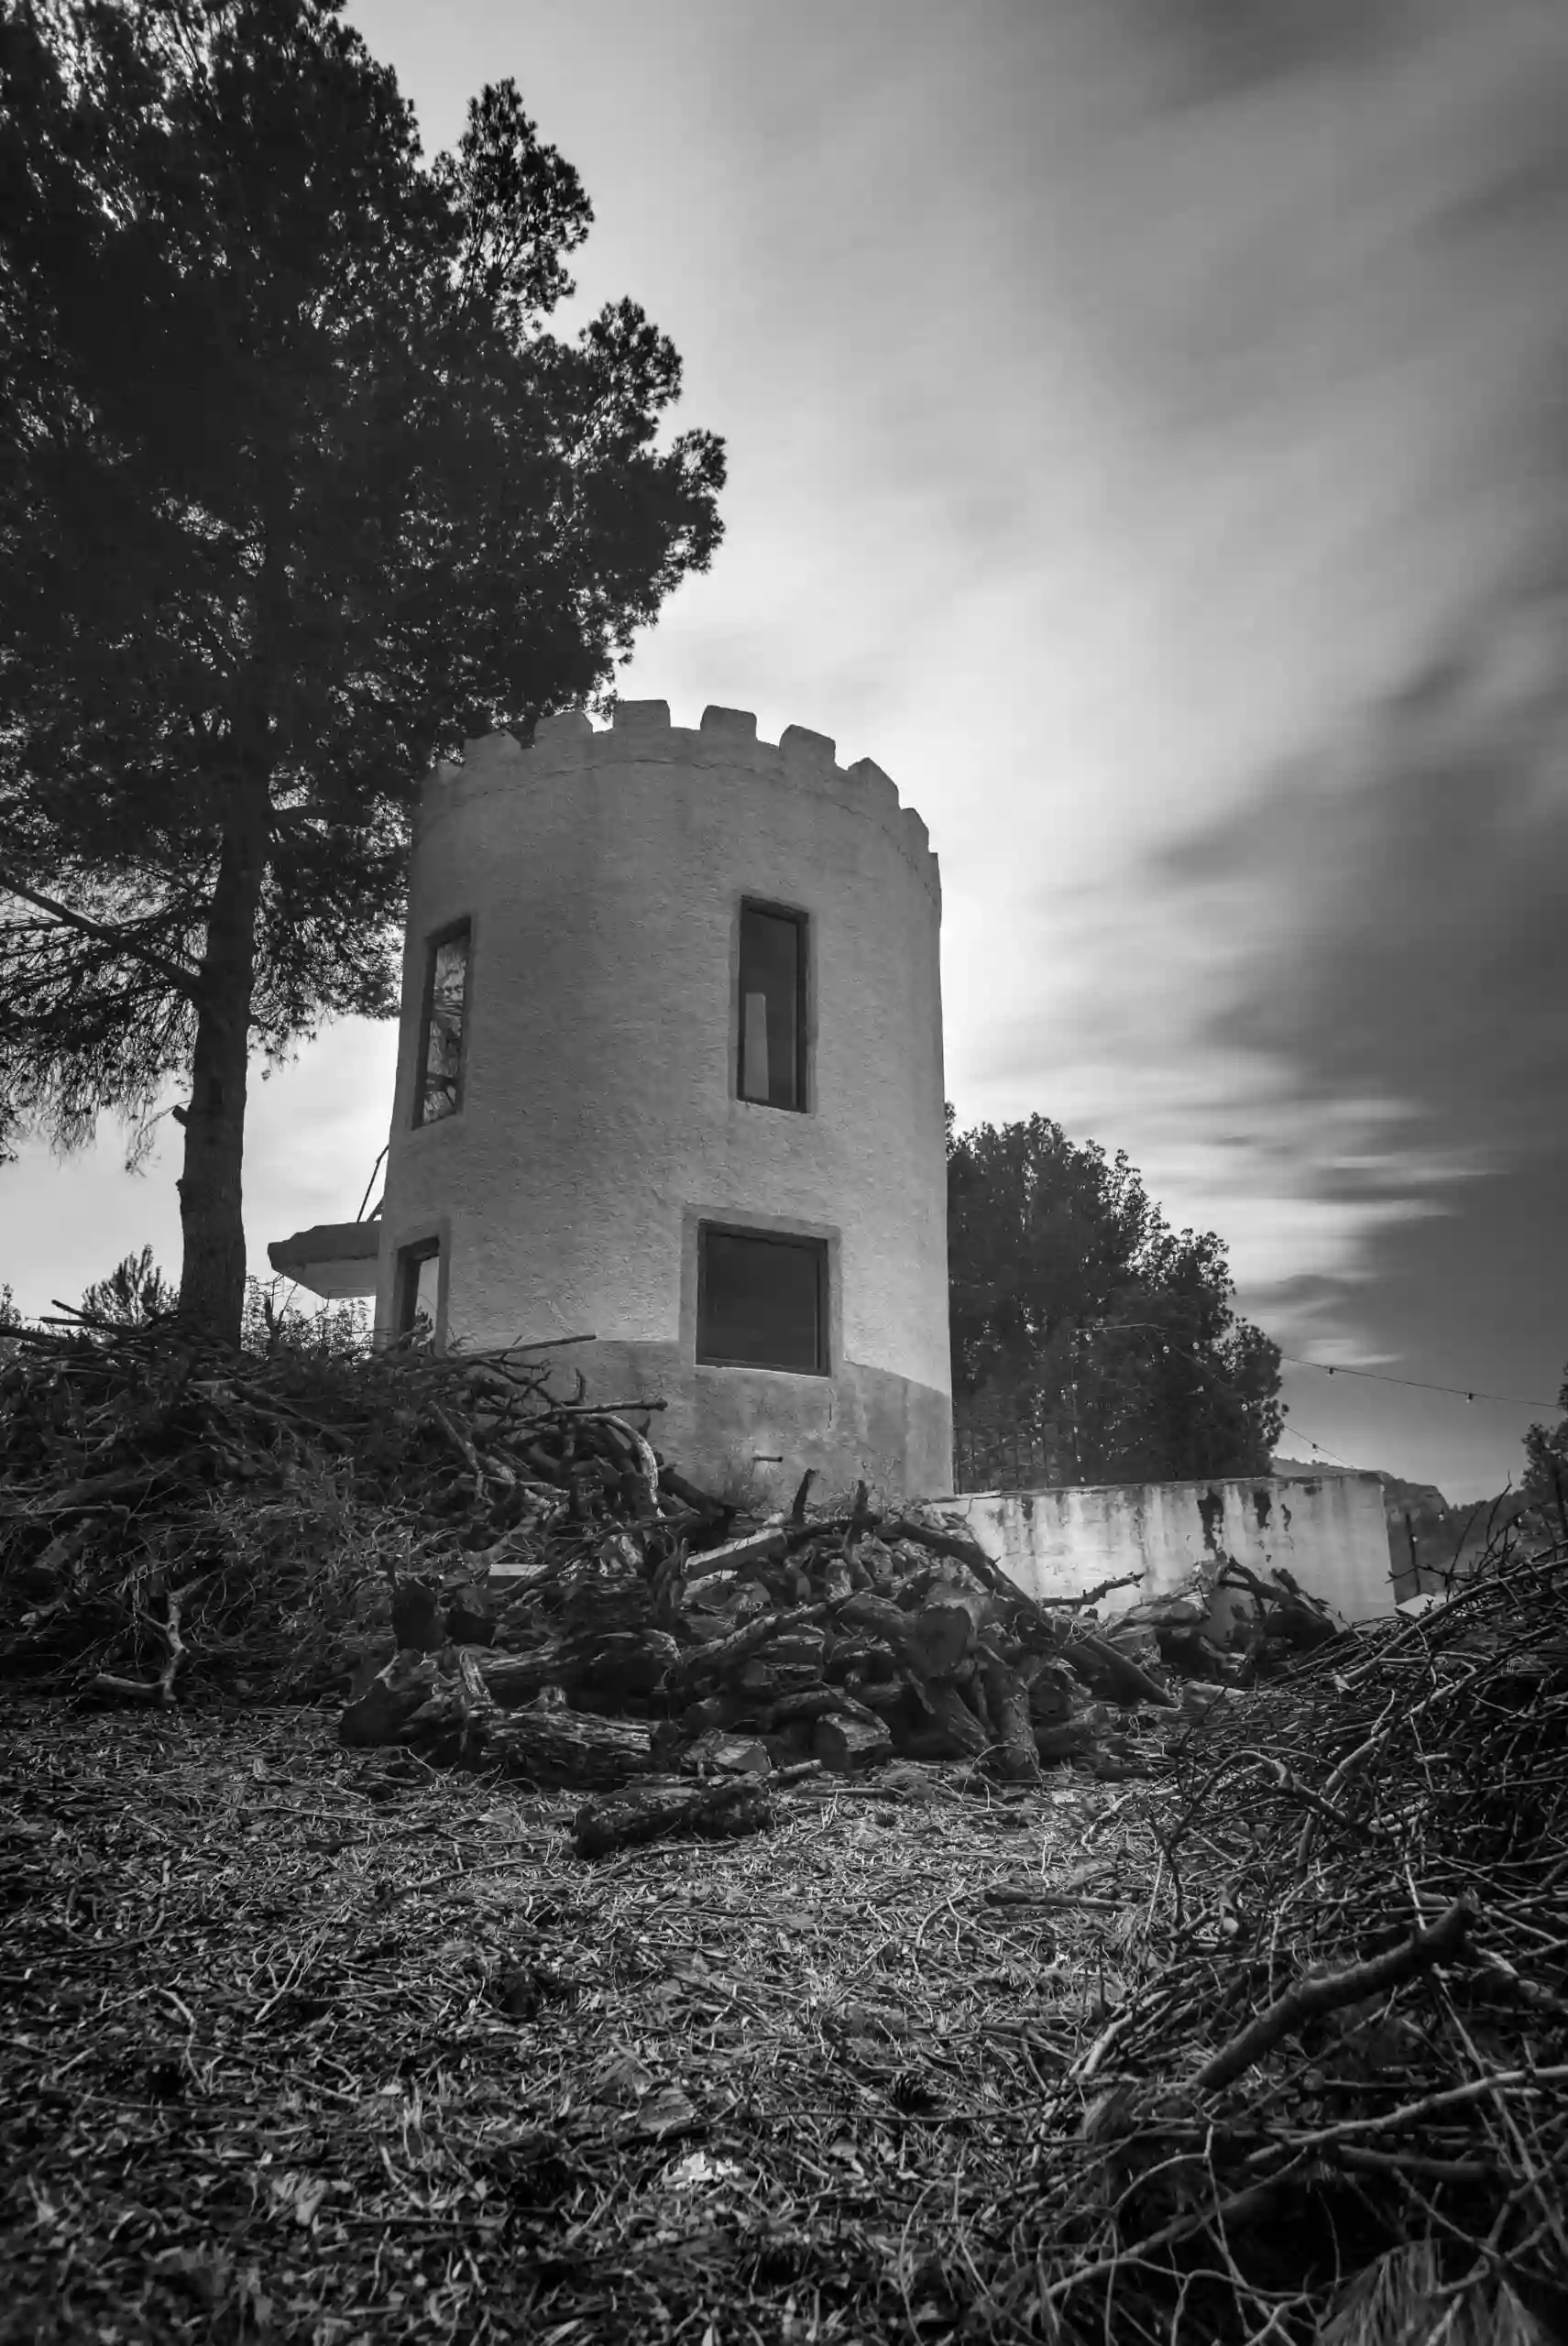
(603, 873)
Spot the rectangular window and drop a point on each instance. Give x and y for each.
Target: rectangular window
(772, 1007)
(440, 1092)
(761, 1301)
(419, 1289)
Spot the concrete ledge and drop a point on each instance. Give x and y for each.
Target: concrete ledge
(331, 1259)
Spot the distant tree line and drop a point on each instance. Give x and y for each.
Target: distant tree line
(136, 1294)
(1084, 1326)
(1086, 1335)
(1546, 1463)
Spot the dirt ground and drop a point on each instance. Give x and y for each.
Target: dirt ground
(304, 2044)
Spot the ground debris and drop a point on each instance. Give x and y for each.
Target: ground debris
(782, 1930)
(1352, 2061)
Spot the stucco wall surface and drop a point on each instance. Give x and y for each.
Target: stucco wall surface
(1331, 1533)
(603, 874)
(753, 1433)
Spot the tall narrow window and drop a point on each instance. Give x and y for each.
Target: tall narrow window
(761, 1301)
(419, 1290)
(440, 1092)
(772, 1007)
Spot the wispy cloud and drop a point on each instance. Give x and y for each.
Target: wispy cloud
(1130, 403)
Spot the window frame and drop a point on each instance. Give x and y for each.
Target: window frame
(411, 1260)
(433, 944)
(801, 1104)
(804, 1240)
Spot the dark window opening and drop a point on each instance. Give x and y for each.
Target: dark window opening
(761, 1301)
(772, 1007)
(419, 1286)
(445, 1018)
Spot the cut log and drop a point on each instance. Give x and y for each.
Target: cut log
(817, 1701)
(1113, 1675)
(950, 1622)
(1055, 1693)
(475, 1705)
(971, 1694)
(368, 1663)
(864, 1654)
(845, 1744)
(470, 1621)
(734, 1806)
(762, 1680)
(889, 1694)
(989, 1573)
(562, 1747)
(752, 1548)
(728, 1755)
(614, 1661)
(958, 1734)
(794, 1650)
(837, 1581)
(1008, 1700)
(876, 1561)
(721, 1656)
(891, 1627)
(930, 1644)
(416, 1617)
(1067, 1741)
(699, 1718)
(393, 1697)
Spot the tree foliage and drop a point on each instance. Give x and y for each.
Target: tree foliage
(1074, 1305)
(135, 1293)
(276, 1321)
(298, 491)
(1546, 1462)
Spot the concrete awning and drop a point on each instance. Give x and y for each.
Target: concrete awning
(333, 1259)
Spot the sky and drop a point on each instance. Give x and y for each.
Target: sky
(1148, 441)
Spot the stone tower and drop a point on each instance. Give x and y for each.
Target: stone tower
(670, 1074)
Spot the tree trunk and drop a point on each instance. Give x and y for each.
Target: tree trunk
(212, 1283)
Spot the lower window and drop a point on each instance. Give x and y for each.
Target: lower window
(419, 1283)
(761, 1301)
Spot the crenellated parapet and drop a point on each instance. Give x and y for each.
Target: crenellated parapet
(725, 741)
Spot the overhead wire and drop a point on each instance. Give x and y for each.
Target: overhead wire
(1313, 1444)
(1373, 1376)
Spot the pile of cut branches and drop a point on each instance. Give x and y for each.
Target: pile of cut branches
(1339, 2109)
(179, 1518)
(496, 1573)
(840, 1639)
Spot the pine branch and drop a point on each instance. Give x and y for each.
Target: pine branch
(179, 973)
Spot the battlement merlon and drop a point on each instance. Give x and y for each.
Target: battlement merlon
(641, 733)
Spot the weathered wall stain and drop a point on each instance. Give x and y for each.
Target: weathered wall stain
(1058, 1543)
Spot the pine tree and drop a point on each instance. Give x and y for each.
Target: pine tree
(1079, 1319)
(298, 492)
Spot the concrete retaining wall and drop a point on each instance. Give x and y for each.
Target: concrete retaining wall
(1330, 1531)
